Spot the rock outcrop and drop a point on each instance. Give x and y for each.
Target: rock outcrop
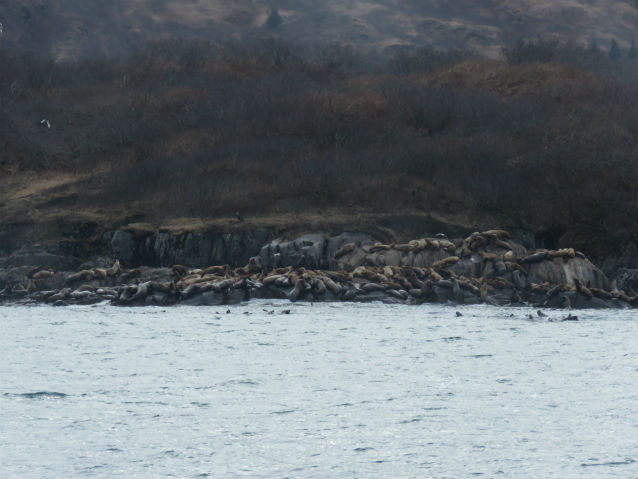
(485, 267)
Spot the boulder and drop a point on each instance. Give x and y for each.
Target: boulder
(306, 251)
(565, 271)
(352, 259)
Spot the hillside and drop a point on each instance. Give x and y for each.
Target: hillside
(70, 29)
(183, 135)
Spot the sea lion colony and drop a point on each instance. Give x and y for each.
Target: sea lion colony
(485, 267)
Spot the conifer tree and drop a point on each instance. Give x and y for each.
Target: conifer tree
(614, 50)
(274, 20)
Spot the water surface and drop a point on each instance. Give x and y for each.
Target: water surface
(329, 390)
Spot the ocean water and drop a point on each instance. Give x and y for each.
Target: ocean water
(325, 390)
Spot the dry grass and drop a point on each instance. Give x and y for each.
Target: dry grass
(552, 80)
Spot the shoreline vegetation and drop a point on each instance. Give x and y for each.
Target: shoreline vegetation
(487, 267)
(541, 142)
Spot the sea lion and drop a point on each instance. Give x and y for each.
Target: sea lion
(31, 286)
(271, 279)
(502, 283)
(448, 246)
(43, 274)
(535, 257)
(331, 285)
(397, 293)
(512, 266)
(254, 264)
(178, 270)
(419, 245)
(131, 274)
(469, 287)
(222, 285)
(350, 294)
(368, 287)
(509, 256)
(582, 288)
(60, 295)
(84, 275)
(99, 273)
(300, 286)
(435, 276)
(601, 293)
(483, 291)
(379, 247)
(499, 243)
(445, 262)
(114, 270)
(318, 287)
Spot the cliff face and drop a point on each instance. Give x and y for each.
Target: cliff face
(78, 28)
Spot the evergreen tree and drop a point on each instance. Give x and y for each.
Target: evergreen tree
(614, 50)
(274, 20)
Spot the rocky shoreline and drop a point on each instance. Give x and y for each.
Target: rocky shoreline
(488, 267)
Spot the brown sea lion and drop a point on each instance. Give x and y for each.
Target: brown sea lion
(380, 247)
(345, 249)
(450, 260)
(582, 288)
(419, 245)
(84, 275)
(333, 287)
(43, 274)
(114, 270)
(318, 287)
(488, 256)
(100, 273)
(601, 293)
(60, 295)
(447, 246)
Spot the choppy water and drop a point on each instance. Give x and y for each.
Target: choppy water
(330, 390)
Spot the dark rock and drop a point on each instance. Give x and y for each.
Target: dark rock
(306, 251)
(123, 247)
(37, 256)
(627, 280)
(560, 271)
(352, 259)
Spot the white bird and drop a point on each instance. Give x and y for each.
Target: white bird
(45, 122)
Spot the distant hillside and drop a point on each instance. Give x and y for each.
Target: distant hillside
(80, 28)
